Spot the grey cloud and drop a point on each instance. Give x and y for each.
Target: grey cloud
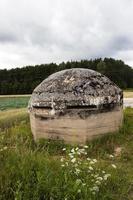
(122, 43)
(7, 37)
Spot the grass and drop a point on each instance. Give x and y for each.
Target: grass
(33, 171)
(12, 117)
(10, 102)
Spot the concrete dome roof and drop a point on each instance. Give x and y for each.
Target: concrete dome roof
(75, 87)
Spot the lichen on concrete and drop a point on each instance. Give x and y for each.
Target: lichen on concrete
(75, 87)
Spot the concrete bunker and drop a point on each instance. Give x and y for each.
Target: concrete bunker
(75, 105)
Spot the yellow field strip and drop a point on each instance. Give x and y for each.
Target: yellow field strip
(13, 96)
(128, 94)
(11, 113)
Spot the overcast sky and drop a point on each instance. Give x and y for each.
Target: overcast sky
(44, 31)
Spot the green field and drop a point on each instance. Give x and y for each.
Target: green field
(8, 102)
(52, 170)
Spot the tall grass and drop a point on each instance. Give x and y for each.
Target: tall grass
(11, 117)
(35, 171)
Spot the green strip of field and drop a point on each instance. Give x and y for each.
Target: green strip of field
(10, 102)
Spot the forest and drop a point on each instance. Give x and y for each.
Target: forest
(24, 80)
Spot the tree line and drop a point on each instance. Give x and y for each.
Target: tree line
(24, 80)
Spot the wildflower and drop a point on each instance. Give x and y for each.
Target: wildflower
(95, 160)
(95, 188)
(93, 193)
(82, 150)
(111, 156)
(106, 176)
(79, 191)
(92, 162)
(79, 162)
(4, 148)
(78, 171)
(96, 175)
(86, 147)
(114, 166)
(71, 155)
(73, 160)
(78, 181)
(90, 168)
(62, 159)
(99, 178)
(72, 150)
(76, 165)
(98, 182)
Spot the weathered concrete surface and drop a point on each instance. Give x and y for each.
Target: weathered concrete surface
(75, 105)
(74, 87)
(128, 102)
(73, 129)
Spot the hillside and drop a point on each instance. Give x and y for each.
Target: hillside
(24, 80)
